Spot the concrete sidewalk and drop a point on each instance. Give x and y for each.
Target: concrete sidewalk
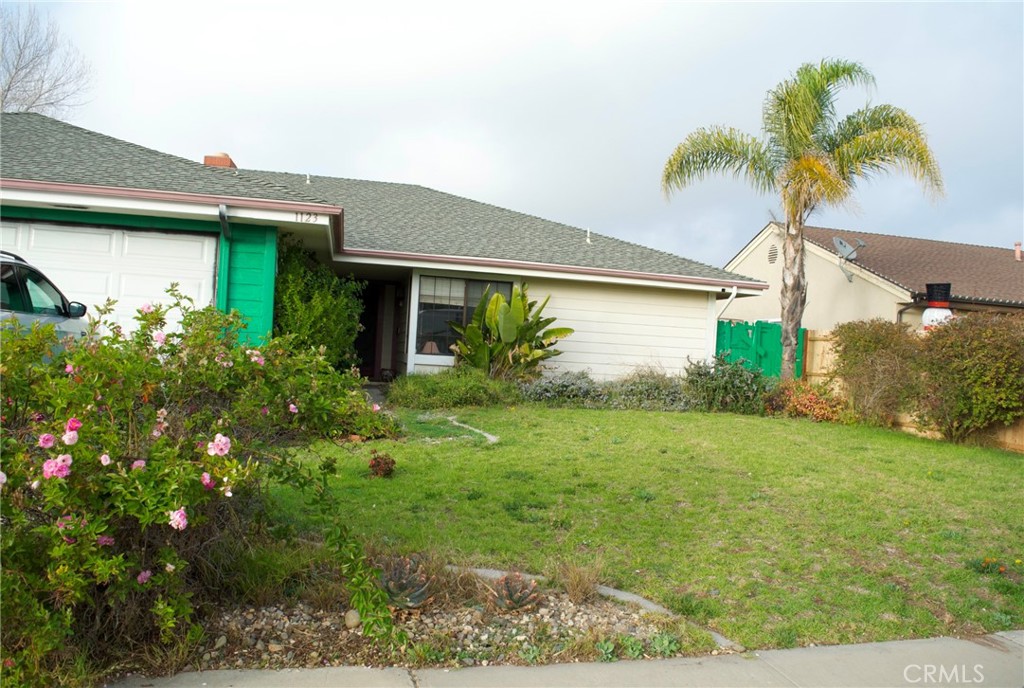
(993, 660)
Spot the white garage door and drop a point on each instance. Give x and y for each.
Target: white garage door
(90, 264)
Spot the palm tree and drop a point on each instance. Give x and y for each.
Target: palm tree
(811, 159)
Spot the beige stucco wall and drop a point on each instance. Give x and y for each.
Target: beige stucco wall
(621, 327)
(831, 299)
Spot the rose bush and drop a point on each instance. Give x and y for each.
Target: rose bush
(128, 459)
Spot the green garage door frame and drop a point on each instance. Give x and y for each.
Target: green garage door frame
(246, 263)
(757, 345)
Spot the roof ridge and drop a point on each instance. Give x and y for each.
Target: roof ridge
(901, 236)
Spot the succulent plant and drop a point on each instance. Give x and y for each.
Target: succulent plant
(512, 591)
(405, 581)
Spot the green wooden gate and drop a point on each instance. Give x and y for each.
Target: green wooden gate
(758, 345)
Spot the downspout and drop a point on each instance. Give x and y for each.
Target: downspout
(225, 228)
(728, 301)
(913, 304)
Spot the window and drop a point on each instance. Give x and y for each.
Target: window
(45, 298)
(444, 299)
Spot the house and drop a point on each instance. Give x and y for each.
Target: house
(104, 217)
(884, 276)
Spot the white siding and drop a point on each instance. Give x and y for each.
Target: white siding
(621, 327)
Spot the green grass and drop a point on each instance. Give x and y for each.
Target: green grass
(774, 532)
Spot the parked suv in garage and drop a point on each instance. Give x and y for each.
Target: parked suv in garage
(27, 295)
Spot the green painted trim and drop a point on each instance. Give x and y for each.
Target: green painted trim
(107, 219)
(223, 266)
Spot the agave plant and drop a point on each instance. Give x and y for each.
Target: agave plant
(512, 591)
(405, 581)
(507, 339)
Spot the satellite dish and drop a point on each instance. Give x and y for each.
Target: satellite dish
(846, 252)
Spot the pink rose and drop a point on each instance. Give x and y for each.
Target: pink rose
(208, 482)
(178, 519)
(104, 540)
(3, 479)
(46, 440)
(146, 308)
(69, 437)
(69, 369)
(220, 446)
(73, 425)
(144, 577)
(57, 468)
(376, 408)
(105, 459)
(138, 465)
(159, 338)
(293, 408)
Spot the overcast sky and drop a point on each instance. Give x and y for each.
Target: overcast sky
(567, 111)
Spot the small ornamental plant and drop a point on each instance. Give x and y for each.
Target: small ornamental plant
(381, 464)
(406, 582)
(513, 592)
(129, 459)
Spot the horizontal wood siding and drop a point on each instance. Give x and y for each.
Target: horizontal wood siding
(250, 282)
(620, 327)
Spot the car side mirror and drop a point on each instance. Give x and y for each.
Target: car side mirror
(76, 310)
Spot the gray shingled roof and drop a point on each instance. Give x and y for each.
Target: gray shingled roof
(404, 218)
(983, 274)
(39, 148)
(380, 216)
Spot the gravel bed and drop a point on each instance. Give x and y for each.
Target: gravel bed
(302, 636)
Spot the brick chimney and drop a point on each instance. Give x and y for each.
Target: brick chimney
(1016, 251)
(220, 160)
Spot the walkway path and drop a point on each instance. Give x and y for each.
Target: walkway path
(992, 660)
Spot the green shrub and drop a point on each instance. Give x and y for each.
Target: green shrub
(877, 363)
(726, 386)
(131, 465)
(315, 306)
(458, 386)
(647, 388)
(973, 374)
(573, 388)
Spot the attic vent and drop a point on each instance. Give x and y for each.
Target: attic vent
(773, 254)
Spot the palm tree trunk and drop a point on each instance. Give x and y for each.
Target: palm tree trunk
(794, 294)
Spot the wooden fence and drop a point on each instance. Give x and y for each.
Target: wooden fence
(818, 359)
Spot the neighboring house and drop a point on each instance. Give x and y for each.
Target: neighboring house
(885, 278)
(103, 217)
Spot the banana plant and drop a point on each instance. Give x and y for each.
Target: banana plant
(507, 339)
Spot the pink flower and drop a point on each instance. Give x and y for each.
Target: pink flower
(46, 440)
(376, 408)
(138, 465)
(144, 577)
(179, 519)
(220, 446)
(105, 459)
(69, 369)
(293, 408)
(208, 482)
(57, 468)
(69, 437)
(159, 338)
(73, 425)
(3, 479)
(264, 411)
(104, 540)
(146, 308)
(255, 356)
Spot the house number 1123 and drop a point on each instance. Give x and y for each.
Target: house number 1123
(307, 217)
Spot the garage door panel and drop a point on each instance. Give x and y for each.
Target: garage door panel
(82, 242)
(147, 247)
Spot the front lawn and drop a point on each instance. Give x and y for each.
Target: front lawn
(774, 532)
